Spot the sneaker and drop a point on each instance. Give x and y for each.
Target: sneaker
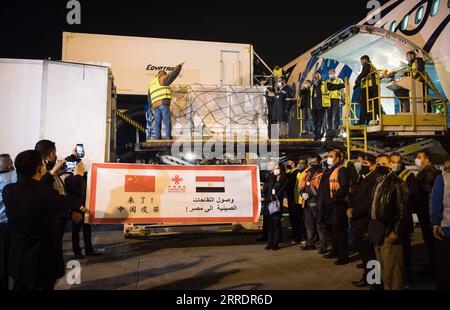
(268, 247)
(275, 247)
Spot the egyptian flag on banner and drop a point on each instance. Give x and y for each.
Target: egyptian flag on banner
(210, 184)
(139, 183)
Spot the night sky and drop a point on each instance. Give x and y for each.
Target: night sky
(279, 30)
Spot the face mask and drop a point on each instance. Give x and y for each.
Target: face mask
(315, 166)
(396, 167)
(280, 84)
(276, 172)
(418, 162)
(383, 170)
(365, 170)
(330, 161)
(332, 76)
(288, 167)
(358, 165)
(301, 167)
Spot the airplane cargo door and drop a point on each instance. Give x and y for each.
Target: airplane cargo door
(230, 71)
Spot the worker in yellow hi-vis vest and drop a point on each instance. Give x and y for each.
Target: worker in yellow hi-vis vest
(335, 86)
(159, 94)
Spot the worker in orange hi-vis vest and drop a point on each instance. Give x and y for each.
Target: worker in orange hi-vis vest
(309, 191)
(333, 191)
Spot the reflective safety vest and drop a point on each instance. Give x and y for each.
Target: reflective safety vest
(312, 182)
(300, 177)
(278, 72)
(325, 95)
(371, 78)
(334, 181)
(405, 174)
(335, 94)
(158, 92)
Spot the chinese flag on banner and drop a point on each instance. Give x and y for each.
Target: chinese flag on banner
(139, 183)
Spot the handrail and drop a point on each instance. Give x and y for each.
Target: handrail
(439, 102)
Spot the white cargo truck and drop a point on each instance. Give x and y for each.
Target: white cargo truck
(68, 103)
(136, 60)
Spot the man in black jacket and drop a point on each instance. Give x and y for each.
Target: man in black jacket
(47, 149)
(388, 217)
(426, 177)
(76, 227)
(368, 83)
(333, 190)
(35, 257)
(398, 167)
(359, 214)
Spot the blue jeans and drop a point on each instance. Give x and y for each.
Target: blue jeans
(149, 120)
(162, 114)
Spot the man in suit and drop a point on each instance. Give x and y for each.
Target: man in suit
(32, 207)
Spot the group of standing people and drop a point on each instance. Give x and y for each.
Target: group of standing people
(370, 200)
(38, 197)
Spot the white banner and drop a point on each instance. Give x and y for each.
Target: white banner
(131, 193)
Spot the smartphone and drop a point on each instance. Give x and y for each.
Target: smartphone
(80, 150)
(70, 166)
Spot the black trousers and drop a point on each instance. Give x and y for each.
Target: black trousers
(296, 219)
(339, 241)
(87, 238)
(317, 118)
(442, 263)
(364, 115)
(427, 232)
(407, 257)
(4, 250)
(274, 229)
(333, 115)
(265, 225)
(367, 253)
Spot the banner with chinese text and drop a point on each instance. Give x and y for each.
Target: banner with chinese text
(133, 193)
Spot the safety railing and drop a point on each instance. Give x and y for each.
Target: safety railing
(438, 102)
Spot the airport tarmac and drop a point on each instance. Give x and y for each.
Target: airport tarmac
(225, 260)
